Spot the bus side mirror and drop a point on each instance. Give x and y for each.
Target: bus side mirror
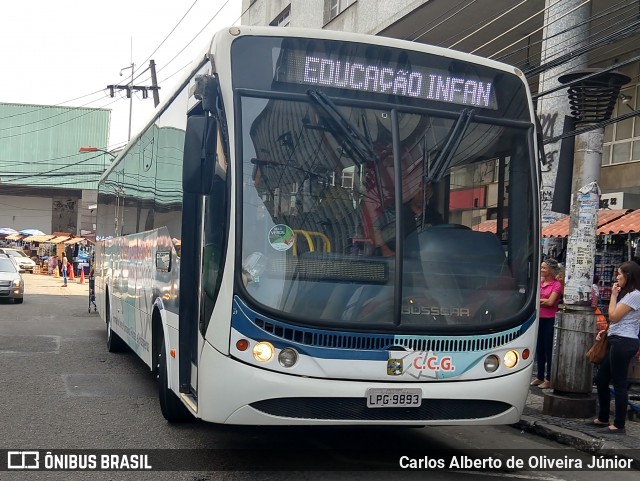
(198, 165)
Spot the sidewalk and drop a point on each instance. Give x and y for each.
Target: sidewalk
(41, 284)
(579, 433)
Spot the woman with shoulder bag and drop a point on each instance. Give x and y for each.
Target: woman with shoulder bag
(622, 336)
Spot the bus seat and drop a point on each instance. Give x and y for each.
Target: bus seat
(462, 259)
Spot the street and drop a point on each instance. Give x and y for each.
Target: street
(63, 391)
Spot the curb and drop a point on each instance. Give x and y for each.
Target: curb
(562, 435)
(577, 440)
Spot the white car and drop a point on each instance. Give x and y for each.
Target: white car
(11, 282)
(21, 259)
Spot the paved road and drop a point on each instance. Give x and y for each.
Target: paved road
(62, 390)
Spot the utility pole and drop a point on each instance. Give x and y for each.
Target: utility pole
(566, 26)
(130, 88)
(154, 83)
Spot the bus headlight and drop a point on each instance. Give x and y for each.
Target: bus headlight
(288, 357)
(491, 363)
(510, 359)
(263, 351)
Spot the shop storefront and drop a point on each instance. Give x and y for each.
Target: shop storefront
(617, 236)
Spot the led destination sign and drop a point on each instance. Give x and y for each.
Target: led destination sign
(419, 82)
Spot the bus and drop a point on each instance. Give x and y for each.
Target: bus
(323, 227)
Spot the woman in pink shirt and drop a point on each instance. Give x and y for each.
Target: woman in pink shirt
(550, 296)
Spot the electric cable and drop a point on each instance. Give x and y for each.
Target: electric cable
(165, 39)
(410, 36)
(64, 112)
(525, 21)
(196, 36)
(590, 20)
(486, 24)
(60, 104)
(445, 20)
(92, 111)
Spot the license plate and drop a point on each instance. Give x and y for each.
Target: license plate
(394, 398)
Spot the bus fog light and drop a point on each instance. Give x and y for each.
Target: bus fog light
(511, 359)
(491, 363)
(263, 351)
(288, 357)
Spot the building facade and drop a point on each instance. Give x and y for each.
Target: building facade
(544, 38)
(45, 182)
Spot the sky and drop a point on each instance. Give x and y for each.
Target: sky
(65, 52)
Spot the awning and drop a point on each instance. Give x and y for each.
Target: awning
(14, 237)
(38, 238)
(560, 228)
(626, 224)
(74, 240)
(489, 226)
(59, 239)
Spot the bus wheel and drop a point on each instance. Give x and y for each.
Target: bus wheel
(172, 408)
(114, 342)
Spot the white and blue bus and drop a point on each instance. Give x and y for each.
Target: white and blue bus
(299, 235)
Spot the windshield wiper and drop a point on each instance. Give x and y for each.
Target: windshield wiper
(357, 143)
(442, 162)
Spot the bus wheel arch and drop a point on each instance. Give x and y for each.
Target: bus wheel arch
(172, 408)
(157, 338)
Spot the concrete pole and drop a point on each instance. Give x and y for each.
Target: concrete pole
(583, 219)
(575, 325)
(552, 109)
(560, 16)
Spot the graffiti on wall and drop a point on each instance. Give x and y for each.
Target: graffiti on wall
(549, 166)
(64, 215)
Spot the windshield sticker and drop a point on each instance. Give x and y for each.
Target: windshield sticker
(281, 237)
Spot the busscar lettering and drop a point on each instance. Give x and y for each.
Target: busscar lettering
(435, 311)
(418, 83)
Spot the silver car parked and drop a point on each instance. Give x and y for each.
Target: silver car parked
(11, 282)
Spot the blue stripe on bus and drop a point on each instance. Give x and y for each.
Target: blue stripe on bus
(365, 346)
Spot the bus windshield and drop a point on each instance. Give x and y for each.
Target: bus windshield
(362, 211)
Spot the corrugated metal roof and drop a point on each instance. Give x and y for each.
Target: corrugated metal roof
(39, 145)
(560, 228)
(626, 224)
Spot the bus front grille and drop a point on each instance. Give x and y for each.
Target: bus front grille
(355, 409)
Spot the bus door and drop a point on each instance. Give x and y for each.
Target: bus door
(203, 230)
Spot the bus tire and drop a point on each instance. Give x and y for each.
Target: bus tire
(172, 408)
(114, 342)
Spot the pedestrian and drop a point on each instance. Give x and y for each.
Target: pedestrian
(560, 275)
(622, 337)
(550, 296)
(595, 291)
(64, 267)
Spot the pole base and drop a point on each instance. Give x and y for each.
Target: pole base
(567, 405)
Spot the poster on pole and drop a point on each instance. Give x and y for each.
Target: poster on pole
(581, 247)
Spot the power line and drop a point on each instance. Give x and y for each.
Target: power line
(48, 106)
(165, 38)
(486, 24)
(92, 111)
(196, 36)
(64, 112)
(445, 20)
(590, 20)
